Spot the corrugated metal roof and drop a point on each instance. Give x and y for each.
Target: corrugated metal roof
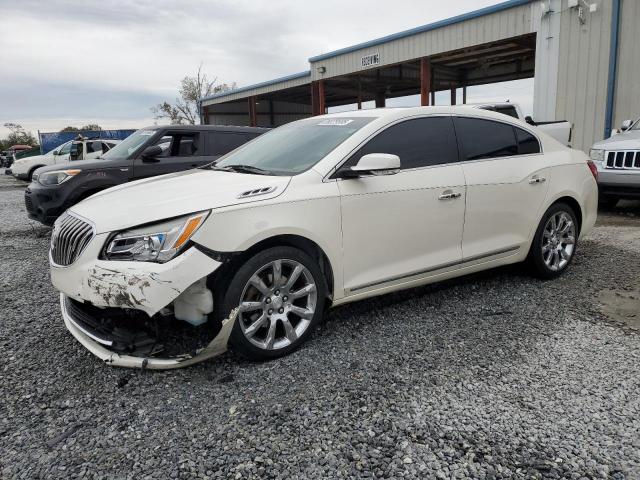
(424, 28)
(406, 33)
(295, 76)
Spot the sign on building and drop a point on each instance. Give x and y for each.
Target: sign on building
(370, 60)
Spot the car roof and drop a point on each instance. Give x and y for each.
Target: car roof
(214, 128)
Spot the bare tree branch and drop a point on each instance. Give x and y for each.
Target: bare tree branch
(192, 88)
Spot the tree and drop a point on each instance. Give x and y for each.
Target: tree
(91, 126)
(17, 136)
(185, 110)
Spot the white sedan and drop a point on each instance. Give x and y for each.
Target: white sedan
(316, 213)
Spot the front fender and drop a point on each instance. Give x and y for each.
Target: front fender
(239, 229)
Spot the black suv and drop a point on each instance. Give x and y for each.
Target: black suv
(146, 153)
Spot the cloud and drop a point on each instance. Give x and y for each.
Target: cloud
(115, 59)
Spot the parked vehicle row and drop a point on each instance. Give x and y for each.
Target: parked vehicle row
(253, 248)
(78, 149)
(8, 156)
(146, 153)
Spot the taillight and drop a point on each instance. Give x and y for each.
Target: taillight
(594, 169)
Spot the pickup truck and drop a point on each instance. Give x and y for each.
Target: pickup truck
(618, 161)
(79, 149)
(558, 129)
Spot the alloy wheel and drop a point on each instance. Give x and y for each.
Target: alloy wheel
(558, 241)
(277, 304)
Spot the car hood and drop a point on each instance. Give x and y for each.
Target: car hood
(172, 195)
(33, 158)
(629, 140)
(92, 164)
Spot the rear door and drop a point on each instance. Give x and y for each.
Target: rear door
(181, 150)
(220, 143)
(507, 180)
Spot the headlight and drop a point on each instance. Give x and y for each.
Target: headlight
(159, 242)
(57, 177)
(596, 155)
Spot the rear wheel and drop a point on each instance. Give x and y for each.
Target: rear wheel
(280, 293)
(555, 241)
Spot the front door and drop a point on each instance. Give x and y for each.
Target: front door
(399, 228)
(180, 151)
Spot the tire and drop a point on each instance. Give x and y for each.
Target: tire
(30, 175)
(271, 324)
(559, 243)
(607, 201)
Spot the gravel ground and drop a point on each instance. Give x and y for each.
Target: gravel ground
(493, 376)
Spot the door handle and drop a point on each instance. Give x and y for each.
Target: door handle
(536, 179)
(448, 195)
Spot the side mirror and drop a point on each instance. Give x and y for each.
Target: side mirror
(529, 120)
(626, 125)
(56, 152)
(149, 154)
(374, 164)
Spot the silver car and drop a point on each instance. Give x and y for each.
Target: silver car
(618, 162)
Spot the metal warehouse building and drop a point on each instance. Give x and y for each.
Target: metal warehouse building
(582, 55)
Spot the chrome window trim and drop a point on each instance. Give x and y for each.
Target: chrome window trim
(334, 170)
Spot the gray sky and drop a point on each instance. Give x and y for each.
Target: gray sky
(67, 62)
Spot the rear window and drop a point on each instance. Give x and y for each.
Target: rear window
(221, 143)
(485, 138)
(527, 143)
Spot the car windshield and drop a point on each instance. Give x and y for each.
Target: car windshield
(636, 125)
(129, 145)
(292, 148)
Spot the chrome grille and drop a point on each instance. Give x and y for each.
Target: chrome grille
(70, 237)
(623, 159)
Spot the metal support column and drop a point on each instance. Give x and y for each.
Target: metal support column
(425, 80)
(253, 117)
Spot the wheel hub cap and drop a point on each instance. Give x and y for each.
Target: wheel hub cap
(277, 304)
(558, 241)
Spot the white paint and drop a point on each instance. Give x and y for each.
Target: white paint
(547, 55)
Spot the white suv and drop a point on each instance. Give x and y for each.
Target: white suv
(316, 213)
(79, 149)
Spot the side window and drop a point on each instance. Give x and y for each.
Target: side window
(419, 143)
(179, 145)
(93, 147)
(66, 148)
(106, 146)
(481, 138)
(527, 143)
(510, 111)
(221, 143)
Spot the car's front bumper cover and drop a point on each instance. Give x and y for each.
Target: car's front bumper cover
(216, 347)
(145, 286)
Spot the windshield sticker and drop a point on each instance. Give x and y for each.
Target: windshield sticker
(336, 121)
(147, 133)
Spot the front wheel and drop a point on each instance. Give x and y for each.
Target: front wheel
(280, 293)
(555, 241)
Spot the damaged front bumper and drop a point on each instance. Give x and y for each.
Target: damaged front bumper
(100, 345)
(145, 286)
(94, 290)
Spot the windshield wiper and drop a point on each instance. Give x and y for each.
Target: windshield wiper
(244, 169)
